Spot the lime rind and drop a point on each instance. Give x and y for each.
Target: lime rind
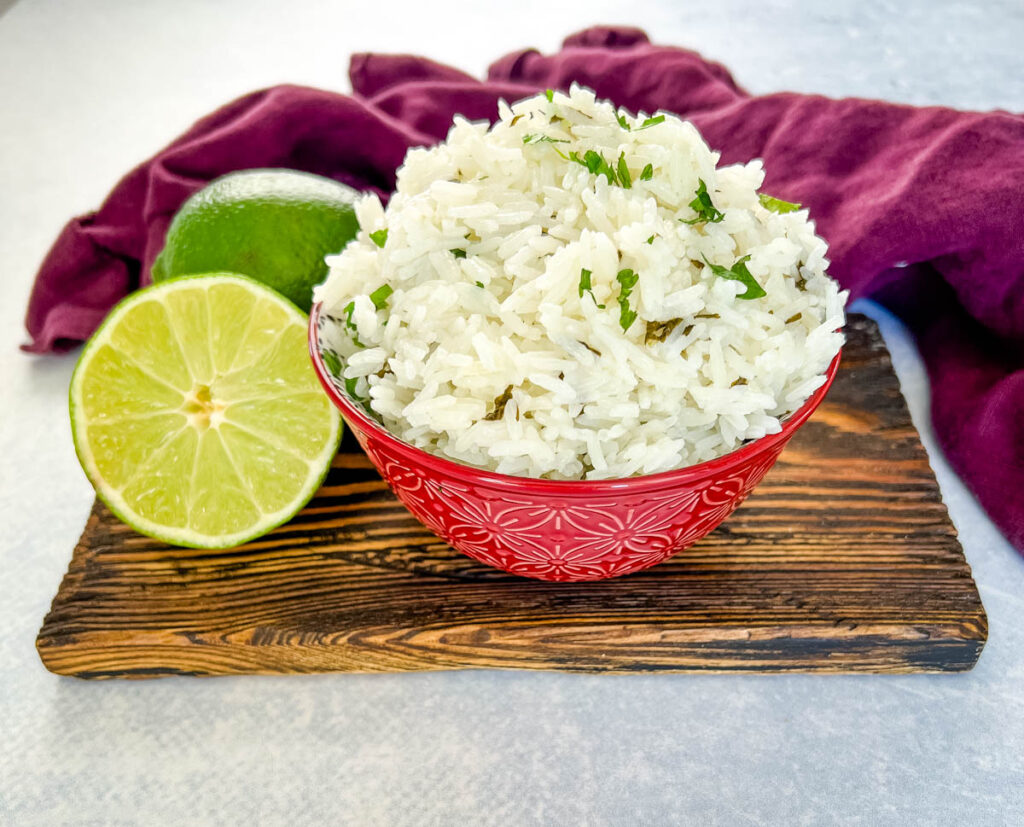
(162, 500)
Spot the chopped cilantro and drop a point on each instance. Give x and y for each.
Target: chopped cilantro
(332, 361)
(660, 331)
(776, 204)
(586, 288)
(379, 237)
(549, 94)
(707, 212)
(575, 158)
(533, 138)
(498, 411)
(617, 175)
(622, 121)
(458, 253)
(350, 386)
(596, 165)
(739, 272)
(627, 279)
(351, 325)
(649, 122)
(650, 240)
(379, 297)
(584, 281)
(480, 284)
(623, 172)
(543, 139)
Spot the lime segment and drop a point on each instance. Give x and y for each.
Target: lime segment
(196, 413)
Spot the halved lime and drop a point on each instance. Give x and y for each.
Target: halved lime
(196, 413)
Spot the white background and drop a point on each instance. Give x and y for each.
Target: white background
(87, 89)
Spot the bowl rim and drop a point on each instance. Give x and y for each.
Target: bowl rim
(492, 479)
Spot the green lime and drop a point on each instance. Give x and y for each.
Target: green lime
(196, 413)
(274, 225)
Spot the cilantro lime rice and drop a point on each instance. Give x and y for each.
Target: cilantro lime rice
(577, 293)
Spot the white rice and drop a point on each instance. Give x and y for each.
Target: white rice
(586, 399)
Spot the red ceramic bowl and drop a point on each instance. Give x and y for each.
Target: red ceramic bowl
(561, 530)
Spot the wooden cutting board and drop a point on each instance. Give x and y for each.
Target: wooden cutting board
(842, 560)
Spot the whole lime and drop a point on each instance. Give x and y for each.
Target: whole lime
(273, 225)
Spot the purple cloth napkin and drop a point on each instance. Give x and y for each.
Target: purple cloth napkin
(923, 208)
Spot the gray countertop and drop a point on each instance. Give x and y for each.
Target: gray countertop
(89, 89)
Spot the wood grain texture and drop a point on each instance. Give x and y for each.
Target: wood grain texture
(843, 559)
